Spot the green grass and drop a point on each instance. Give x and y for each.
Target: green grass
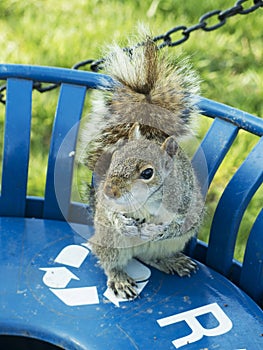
(63, 32)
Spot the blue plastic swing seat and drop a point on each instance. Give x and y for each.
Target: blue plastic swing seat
(53, 294)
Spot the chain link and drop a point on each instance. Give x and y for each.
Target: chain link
(166, 39)
(203, 24)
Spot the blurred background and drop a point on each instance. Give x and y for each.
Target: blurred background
(63, 32)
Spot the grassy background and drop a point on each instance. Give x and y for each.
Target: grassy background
(63, 32)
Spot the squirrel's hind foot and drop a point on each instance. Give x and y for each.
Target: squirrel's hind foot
(178, 263)
(122, 285)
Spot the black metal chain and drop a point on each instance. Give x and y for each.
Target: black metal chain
(166, 39)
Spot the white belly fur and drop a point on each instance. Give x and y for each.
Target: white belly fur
(155, 249)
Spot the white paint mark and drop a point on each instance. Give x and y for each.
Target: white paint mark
(137, 271)
(72, 255)
(71, 154)
(87, 245)
(77, 296)
(198, 331)
(57, 277)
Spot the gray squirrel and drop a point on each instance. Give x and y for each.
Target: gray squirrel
(147, 199)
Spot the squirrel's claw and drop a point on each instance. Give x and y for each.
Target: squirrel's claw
(122, 285)
(178, 263)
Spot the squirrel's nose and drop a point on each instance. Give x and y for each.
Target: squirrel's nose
(112, 191)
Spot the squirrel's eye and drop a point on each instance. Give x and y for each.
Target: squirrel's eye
(147, 174)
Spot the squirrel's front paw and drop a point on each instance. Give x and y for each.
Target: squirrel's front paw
(122, 285)
(152, 232)
(128, 226)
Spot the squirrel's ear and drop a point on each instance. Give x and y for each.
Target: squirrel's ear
(135, 133)
(170, 146)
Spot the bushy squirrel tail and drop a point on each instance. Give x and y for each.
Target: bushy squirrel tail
(150, 90)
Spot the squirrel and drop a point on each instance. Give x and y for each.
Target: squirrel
(148, 202)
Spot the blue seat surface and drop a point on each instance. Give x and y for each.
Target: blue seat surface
(50, 299)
